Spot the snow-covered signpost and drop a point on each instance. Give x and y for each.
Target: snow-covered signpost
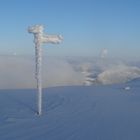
(39, 39)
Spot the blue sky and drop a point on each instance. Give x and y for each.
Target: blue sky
(86, 25)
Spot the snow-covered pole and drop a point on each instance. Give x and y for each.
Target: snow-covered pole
(38, 75)
(39, 39)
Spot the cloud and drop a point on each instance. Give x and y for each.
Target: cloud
(60, 72)
(104, 53)
(118, 74)
(18, 72)
(108, 71)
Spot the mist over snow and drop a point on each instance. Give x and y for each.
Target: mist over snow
(98, 71)
(18, 71)
(118, 74)
(60, 72)
(104, 53)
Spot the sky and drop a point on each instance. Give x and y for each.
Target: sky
(87, 26)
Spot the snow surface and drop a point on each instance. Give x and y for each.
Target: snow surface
(72, 113)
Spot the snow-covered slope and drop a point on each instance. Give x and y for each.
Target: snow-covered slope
(72, 113)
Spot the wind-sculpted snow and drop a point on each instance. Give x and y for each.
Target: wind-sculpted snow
(72, 113)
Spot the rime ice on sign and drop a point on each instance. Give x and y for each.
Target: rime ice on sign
(39, 39)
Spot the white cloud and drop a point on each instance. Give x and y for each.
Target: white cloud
(104, 53)
(118, 74)
(18, 72)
